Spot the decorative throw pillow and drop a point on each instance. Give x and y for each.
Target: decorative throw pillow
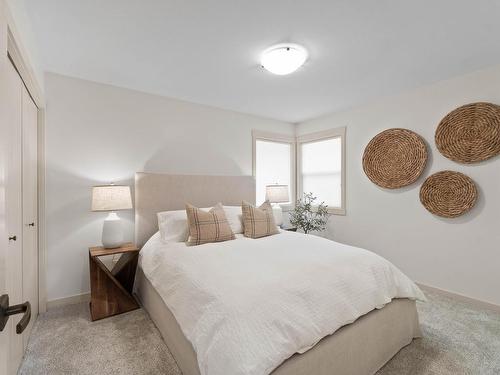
(211, 226)
(258, 221)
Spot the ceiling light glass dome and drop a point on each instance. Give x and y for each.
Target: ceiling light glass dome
(284, 58)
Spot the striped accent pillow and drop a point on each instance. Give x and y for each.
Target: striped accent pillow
(211, 226)
(258, 221)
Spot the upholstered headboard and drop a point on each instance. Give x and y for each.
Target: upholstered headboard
(163, 192)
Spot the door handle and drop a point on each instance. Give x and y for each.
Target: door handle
(6, 311)
(13, 238)
(31, 224)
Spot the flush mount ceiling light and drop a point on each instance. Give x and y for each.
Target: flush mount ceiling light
(283, 58)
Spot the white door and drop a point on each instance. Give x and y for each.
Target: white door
(4, 164)
(19, 263)
(14, 259)
(11, 251)
(4, 337)
(30, 208)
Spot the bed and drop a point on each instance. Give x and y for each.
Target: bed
(357, 346)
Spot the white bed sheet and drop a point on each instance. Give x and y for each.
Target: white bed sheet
(247, 305)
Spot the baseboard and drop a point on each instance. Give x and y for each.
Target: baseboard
(79, 298)
(459, 297)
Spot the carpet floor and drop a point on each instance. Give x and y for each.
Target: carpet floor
(457, 339)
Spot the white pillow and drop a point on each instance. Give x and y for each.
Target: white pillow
(235, 218)
(173, 225)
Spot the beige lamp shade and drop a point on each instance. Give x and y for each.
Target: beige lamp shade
(277, 193)
(111, 198)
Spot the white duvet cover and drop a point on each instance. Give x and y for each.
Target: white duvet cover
(247, 305)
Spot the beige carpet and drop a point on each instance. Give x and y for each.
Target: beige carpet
(458, 339)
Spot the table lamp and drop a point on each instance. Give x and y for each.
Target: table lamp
(277, 194)
(111, 198)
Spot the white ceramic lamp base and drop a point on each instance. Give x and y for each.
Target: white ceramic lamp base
(112, 231)
(278, 214)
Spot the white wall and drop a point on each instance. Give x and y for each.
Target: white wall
(461, 255)
(98, 133)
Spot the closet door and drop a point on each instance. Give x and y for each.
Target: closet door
(30, 207)
(14, 260)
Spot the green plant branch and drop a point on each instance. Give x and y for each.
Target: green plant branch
(308, 217)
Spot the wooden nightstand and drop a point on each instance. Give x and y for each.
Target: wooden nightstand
(111, 291)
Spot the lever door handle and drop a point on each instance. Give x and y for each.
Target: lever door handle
(6, 311)
(23, 308)
(13, 238)
(31, 224)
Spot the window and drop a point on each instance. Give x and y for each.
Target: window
(321, 167)
(273, 162)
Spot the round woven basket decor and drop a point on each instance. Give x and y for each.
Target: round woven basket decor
(470, 133)
(448, 194)
(395, 158)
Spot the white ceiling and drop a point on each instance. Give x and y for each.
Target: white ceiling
(208, 51)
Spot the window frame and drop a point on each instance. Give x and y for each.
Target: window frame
(322, 136)
(258, 135)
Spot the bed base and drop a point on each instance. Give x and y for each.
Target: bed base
(360, 348)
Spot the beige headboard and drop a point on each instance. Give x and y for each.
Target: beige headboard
(163, 192)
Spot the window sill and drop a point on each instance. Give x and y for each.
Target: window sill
(337, 211)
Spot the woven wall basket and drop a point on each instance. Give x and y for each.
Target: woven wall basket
(395, 158)
(470, 133)
(448, 194)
